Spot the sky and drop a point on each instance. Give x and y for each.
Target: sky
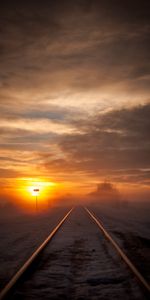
(74, 95)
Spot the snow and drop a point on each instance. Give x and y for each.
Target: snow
(134, 217)
(20, 235)
(79, 264)
(130, 227)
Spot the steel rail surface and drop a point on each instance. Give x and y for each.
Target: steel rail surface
(28, 263)
(134, 270)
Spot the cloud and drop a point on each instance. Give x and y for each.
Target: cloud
(8, 173)
(106, 191)
(75, 46)
(72, 76)
(113, 143)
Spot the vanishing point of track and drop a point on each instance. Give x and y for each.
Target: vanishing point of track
(11, 284)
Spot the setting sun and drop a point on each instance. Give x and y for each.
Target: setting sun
(39, 187)
(25, 190)
(34, 191)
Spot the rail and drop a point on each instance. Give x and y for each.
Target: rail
(128, 262)
(5, 291)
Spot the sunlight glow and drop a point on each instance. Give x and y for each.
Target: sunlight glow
(35, 191)
(28, 188)
(39, 187)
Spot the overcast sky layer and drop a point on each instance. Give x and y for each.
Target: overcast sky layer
(74, 92)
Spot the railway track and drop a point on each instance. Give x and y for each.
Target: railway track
(77, 262)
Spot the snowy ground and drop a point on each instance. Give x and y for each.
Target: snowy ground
(130, 227)
(79, 264)
(20, 235)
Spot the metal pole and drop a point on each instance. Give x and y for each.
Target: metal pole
(36, 199)
(36, 204)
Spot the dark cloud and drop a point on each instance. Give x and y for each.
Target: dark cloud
(83, 44)
(116, 141)
(131, 122)
(106, 191)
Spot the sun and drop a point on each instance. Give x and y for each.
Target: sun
(34, 190)
(40, 187)
(28, 189)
